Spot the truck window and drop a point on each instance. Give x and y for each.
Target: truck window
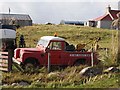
(55, 46)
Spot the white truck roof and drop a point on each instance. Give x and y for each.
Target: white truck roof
(48, 38)
(7, 33)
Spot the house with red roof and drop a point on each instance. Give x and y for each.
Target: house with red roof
(105, 20)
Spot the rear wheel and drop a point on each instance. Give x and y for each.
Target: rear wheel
(79, 62)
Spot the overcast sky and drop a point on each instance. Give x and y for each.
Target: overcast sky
(42, 11)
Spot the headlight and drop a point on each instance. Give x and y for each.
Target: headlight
(20, 55)
(15, 53)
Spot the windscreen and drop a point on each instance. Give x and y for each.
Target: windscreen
(43, 42)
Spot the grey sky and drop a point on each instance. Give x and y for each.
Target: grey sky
(55, 11)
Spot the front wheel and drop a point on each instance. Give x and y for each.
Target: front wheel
(29, 67)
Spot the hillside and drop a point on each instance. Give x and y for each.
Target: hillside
(69, 77)
(74, 35)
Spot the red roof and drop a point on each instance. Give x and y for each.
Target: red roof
(114, 13)
(104, 17)
(110, 16)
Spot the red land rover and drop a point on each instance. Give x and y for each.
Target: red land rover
(61, 54)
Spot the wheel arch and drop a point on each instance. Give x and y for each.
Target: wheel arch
(32, 60)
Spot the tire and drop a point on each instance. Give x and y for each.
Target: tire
(29, 67)
(79, 62)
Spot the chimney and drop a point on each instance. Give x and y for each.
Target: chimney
(108, 9)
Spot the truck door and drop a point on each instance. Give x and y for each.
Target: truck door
(55, 52)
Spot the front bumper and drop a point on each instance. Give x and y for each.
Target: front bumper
(16, 61)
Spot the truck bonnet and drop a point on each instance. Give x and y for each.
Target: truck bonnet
(32, 50)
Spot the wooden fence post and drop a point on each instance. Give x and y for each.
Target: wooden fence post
(10, 55)
(92, 61)
(49, 62)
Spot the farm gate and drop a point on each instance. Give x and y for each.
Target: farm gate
(6, 60)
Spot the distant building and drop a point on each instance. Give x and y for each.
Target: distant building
(105, 20)
(15, 19)
(72, 22)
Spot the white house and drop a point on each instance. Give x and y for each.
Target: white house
(105, 20)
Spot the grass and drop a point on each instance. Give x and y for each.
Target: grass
(74, 35)
(68, 77)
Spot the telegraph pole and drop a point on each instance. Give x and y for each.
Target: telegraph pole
(9, 10)
(0, 25)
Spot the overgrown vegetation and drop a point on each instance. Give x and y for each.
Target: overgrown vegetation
(75, 35)
(69, 77)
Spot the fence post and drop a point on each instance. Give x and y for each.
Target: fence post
(10, 55)
(92, 59)
(49, 62)
(92, 56)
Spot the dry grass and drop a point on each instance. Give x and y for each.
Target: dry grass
(74, 35)
(69, 77)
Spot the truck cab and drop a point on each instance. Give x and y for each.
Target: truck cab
(61, 54)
